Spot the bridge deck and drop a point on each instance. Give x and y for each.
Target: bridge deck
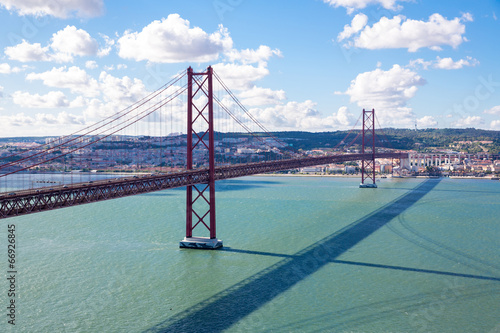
(47, 198)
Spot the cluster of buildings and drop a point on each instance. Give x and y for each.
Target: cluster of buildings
(453, 163)
(141, 153)
(132, 153)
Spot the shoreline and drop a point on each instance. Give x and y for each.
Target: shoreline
(359, 176)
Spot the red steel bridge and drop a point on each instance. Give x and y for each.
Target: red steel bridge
(198, 177)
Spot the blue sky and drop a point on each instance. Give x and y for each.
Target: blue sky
(309, 65)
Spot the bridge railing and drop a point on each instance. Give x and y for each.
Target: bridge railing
(52, 197)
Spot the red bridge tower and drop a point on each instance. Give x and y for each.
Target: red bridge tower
(200, 127)
(368, 147)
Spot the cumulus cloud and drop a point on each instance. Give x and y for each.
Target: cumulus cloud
(444, 63)
(91, 64)
(400, 32)
(470, 121)
(25, 52)
(286, 116)
(172, 40)
(495, 125)
(494, 110)
(109, 42)
(73, 78)
(302, 116)
(57, 8)
(65, 44)
(40, 124)
(388, 92)
(427, 121)
(351, 5)
(62, 118)
(5, 68)
(72, 41)
(261, 96)
(117, 94)
(17, 120)
(358, 23)
(249, 56)
(53, 99)
(105, 95)
(448, 63)
(240, 77)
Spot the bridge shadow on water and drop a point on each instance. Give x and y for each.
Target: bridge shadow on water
(231, 305)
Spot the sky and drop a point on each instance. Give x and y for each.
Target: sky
(308, 65)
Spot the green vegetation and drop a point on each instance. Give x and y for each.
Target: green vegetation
(468, 140)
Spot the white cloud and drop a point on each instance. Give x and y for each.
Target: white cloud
(470, 121)
(249, 56)
(5, 68)
(420, 62)
(400, 32)
(21, 124)
(117, 94)
(448, 63)
(1, 91)
(427, 121)
(261, 96)
(91, 64)
(58, 8)
(72, 41)
(358, 22)
(302, 116)
(110, 93)
(286, 116)
(444, 63)
(239, 77)
(73, 78)
(109, 42)
(171, 40)
(344, 117)
(62, 118)
(467, 17)
(388, 92)
(25, 52)
(53, 99)
(65, 44)
(494, 110)
(495, 125)
(351, 5)
(19, 119)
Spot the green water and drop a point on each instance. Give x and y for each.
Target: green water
(300, 255)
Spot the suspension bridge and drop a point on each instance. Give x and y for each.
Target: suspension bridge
(195, 160)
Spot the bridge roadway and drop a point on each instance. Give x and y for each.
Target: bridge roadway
(31, 201)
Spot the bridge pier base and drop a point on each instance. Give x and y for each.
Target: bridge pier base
(203, 243)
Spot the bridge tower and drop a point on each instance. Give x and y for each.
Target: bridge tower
(200, 199)
(368, 147)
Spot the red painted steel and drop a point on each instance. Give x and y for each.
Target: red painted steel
(200, 116)
(54, 197)
(368, 132)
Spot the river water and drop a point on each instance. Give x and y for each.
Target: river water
(301, 254)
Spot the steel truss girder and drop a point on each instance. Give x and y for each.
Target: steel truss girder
(44, 199)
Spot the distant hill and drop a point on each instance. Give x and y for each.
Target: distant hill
(466, 140)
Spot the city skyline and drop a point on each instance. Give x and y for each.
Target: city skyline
(308, 66)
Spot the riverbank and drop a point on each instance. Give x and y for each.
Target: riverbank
(359, 176)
